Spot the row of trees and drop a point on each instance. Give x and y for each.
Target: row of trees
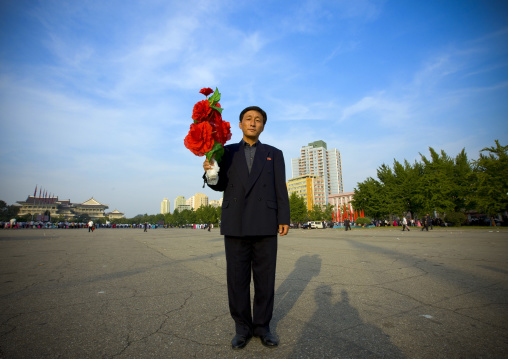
(441, 183)
(202, 215)
(300, 214)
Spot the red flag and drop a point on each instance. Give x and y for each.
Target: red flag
(40, 191)
(35, 192)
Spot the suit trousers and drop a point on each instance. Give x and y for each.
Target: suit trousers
(248, 256)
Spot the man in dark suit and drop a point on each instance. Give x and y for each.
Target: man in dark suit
(255, 209)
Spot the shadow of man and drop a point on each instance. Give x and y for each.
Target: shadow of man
(336, 330)
(287, 294)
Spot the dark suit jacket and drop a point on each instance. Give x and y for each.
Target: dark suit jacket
(254, 204)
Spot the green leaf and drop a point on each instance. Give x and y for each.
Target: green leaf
(219, 154)
(217, 108)
(217, 150)
(214, 98)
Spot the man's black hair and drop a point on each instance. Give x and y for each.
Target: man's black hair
(254, 108)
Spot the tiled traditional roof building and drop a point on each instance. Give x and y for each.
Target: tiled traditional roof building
(115, 214)
(57, 207)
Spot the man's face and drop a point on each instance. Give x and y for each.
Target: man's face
(252, 124)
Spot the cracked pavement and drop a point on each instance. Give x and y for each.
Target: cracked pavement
(365, 293)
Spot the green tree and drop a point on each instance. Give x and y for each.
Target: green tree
(188, 217)
(328, 212)
(491, 179)
(158, 218)
(8, 212)
(168, 218)
(388, 194)
(218, 213)
(316, 213)
(369, 196)
(297, 209)
(178, 219)
(206, 214)
(445, 182)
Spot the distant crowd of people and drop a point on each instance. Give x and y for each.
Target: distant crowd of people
(424, 223)
(13, 224)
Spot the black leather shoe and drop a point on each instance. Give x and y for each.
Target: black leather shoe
(240, 341)
(269, 340)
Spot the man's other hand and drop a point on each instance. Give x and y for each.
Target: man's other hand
(283, 229)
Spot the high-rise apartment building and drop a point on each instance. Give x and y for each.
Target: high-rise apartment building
(319, 161)
(198, 200)
(311, 188)
(165, 206)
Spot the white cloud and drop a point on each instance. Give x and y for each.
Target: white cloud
(378, 108)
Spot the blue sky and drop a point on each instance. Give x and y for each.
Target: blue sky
(96, 96)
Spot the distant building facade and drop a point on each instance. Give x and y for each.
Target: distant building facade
(341, 199)
(180, 203)
(198, 200)
(37, 206)
(319, 161)
(165, 206)
(116, 214)
(183, 207)
(310, 187)
(216, 203)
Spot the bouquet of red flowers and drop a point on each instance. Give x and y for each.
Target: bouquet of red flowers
(208, 133)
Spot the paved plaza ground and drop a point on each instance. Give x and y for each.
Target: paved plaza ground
(366, 293)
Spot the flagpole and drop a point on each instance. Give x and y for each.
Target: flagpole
(33, 209)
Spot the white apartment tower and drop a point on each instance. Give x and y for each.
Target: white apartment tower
(165, 206)
(317, 160)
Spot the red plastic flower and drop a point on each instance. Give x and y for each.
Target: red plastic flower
(225, 132)
(199, 139)
(201, 111)
(209, 133)
(215, 116)
(206, 91)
